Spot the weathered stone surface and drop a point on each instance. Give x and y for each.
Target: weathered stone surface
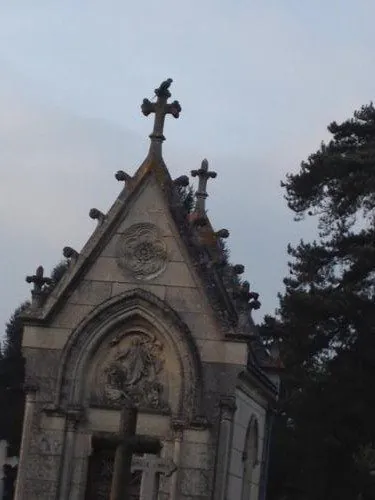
(77, 491)
(91, 293)
(155, 425)
(176, 274)
(239, 437)
(234, 486)
(43, 467)
(201, 325)
(39, 489)
(45, 338)
(51, 422)
(157, 290)
(43, 363)
(79, 470)
(236, 463)
(197, 456)
(232, 353)
(184, 299)
(71, 315)
(46, 443)
(195, 482)
(197, 436)
(174, 250)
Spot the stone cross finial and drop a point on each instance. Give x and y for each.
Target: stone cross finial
(161, 108)
(39, 280)
(203, 174)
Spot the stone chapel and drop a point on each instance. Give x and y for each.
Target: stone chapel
(150, 314)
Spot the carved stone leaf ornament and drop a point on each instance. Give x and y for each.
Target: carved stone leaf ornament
(142, 251)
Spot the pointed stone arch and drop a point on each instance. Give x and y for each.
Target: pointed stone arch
(250, 459)
(153, 320)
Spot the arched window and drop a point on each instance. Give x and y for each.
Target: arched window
(250, 460)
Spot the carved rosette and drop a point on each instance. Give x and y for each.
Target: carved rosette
(133, 369)
(142, 251)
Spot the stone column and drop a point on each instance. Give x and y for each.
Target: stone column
(27, 430)
(73, 418)
(266, 455)
(224, 447)
(178, 434)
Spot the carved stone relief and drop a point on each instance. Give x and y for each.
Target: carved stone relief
(132, 368)
(142, 251)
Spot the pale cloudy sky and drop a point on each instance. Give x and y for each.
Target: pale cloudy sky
(258, 82)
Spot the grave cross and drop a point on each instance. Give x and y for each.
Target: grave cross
(151, 468)
(203, 174)
(126, 443)
(161, 108)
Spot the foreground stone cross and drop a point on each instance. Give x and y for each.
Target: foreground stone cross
(152, 467)
(126, 443)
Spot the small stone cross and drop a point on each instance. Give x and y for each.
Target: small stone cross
(161, 109)
(39, 280)
(151, 468)
(203, 174)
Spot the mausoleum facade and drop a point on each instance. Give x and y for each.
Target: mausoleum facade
(148, 313)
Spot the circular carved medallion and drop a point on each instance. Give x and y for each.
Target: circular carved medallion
(142, 251)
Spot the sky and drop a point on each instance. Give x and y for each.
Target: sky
(258, 82)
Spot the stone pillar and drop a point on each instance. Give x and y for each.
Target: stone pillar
(73, 418)
(178, 434)
(224, 447)
(266, 455)
(27, 431)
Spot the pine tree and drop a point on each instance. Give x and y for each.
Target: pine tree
(326, 322)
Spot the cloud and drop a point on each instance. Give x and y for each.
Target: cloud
(54, 167)
(258, 83)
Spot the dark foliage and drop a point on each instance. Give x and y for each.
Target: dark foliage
(12, 373)
(58, 271)
(186, 194)
(326, 324)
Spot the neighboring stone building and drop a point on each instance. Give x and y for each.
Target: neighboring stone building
(149, 311)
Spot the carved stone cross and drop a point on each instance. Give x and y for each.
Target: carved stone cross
(161, 108)
(38, 279)
(203, 174)
(126, 443)
(152, 467)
